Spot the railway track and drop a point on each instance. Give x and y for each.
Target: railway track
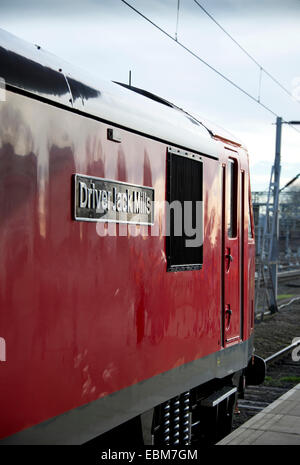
(283, 275)
(287, 275)
(287, 280)
(282, 374)
(252, 395)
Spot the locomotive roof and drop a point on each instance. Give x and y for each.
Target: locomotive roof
(31, 69)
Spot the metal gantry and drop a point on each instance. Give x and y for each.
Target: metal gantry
(266, 289)
(267, 229)
(267, 255)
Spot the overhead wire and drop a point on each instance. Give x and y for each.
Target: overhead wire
(219, 73)
(262, 69)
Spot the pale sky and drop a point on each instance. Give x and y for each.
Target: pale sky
(106, 38)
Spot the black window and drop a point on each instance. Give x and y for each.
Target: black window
(184, 211)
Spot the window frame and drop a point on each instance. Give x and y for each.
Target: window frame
(250, 218)
(232, 202)
(171, 266)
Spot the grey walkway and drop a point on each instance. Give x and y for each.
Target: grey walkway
(277, 424)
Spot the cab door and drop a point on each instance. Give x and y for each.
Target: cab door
(231, 316)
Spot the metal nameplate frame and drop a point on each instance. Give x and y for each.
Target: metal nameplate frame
(106, 200)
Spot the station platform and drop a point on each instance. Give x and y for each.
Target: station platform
(277, 424)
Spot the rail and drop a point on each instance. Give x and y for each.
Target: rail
(257, 398)
(287, 274)
(278, 354)
(281, 276)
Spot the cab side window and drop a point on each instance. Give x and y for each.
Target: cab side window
(250, 229)
(184, 196)
(232, 198)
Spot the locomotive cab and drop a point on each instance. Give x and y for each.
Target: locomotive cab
(127, 262)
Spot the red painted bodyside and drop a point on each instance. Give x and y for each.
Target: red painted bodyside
(84, 315)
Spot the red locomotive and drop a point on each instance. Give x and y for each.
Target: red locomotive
(114, 328)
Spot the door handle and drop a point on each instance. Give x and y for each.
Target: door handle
(227, 317)
(228, 257)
